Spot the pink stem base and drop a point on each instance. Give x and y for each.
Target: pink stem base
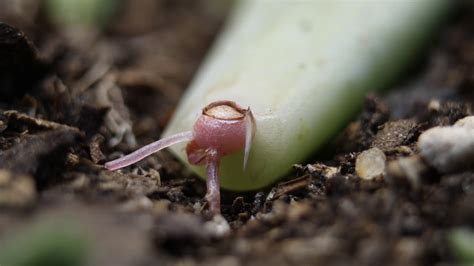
(213, 195)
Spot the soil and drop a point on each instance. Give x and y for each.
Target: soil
(72, 100)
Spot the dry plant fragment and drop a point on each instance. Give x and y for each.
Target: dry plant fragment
(223, 128)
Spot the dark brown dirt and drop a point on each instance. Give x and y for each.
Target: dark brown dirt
(67, 107)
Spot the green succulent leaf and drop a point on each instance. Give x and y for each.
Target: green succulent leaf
(304, 68)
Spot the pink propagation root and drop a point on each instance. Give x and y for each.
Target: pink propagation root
(147, 150)
(223, 128)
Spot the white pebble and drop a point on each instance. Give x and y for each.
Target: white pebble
(370, 164)
(218, 226)
(449, 149)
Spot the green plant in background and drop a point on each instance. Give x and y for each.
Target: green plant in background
(461, 241)
(45, 244)
(82, 13)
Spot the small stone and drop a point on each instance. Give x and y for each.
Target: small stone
(410, 168)
(298, 210)
(434, 105)
(449, 149)
(80, 182)
(16, 191)
(370, 164)
(3, 125)
(137, 204)
(217, 227)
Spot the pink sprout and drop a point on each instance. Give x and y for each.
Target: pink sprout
(223, 128)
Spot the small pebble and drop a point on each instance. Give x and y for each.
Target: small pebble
(434, 105)
(298, 210)
(137, 204)
(411, 168)
(16, 190)
(449, 149)
(217, 227)
(3, 125)
(370, 164)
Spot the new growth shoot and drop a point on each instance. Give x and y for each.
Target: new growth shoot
(223, 128)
